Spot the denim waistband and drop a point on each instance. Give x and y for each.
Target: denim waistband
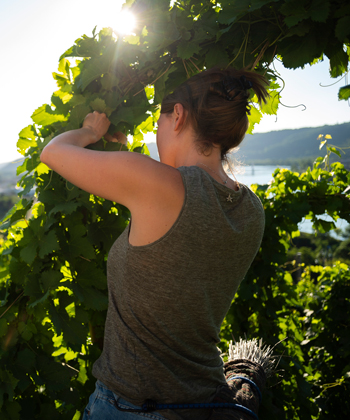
(105, 399)
(118, 400)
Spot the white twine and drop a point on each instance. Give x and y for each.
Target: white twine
(254, 351)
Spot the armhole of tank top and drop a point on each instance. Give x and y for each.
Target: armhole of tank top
(166, 234)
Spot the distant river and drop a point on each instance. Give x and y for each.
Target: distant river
(262, 174)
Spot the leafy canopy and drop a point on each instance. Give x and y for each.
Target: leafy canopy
(54, 244)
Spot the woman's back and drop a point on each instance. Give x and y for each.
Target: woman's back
(168, 299)
(172, 278)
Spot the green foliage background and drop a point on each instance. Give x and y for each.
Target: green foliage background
(54, 246)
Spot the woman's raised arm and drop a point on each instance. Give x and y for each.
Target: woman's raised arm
(130, 179)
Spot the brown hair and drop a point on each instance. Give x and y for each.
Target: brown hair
(217, 103)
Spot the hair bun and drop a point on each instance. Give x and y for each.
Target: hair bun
(238, 85)
(217, 104)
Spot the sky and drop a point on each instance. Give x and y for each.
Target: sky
(35, 33)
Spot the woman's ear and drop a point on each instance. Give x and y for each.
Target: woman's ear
(179, 117)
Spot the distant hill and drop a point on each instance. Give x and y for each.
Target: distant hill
(9, 168)
(289, 146)
(8, 177)
(286, 147)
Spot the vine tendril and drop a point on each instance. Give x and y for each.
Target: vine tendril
(337, 81)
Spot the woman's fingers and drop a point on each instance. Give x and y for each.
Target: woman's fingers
(98, 123)
(117, 137)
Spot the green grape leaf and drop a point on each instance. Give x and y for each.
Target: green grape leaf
(48, 244)
(297, 54)
(342, 30)
(301, 29)
(21, 168)
(292, 21)
(29, 164)
(65, 208)
(160, 85)
(28, 253)
(132, 115)
(26, 139)
(77, 99)
(55, 374)
(61, 81)
(93, 69)
(63, 67)
(187, 50)
(8, 383)
(254, 118)
(98, 105)
(271, 105)
(33, 289)
(230, 14)
(20, 210)
(24, 144)
(73, 331)
(88, 275)
(26, 330)
(84, 47)
(51, 198)
(50, 279)
(80, 246)
(60, 107)
(42, 169)
(46, 116)
(109, 81)
(8, 216)
(344, 93)
(319, 10)
(338, 62)
(216, 56)
(65, 97)
(323, 226)
(81, 315)
(77, 116)
(91, 297)
(19, 271)
(334, 150)
(56, 318)
(149, 90)
(28, 133)
(132, 39)
(147, 125)
(295, 11)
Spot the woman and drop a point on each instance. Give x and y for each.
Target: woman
(174, 271)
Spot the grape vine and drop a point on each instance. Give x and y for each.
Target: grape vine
(54, 244)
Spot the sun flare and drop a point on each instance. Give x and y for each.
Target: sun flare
(124, 23)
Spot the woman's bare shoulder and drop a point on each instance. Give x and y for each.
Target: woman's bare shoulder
(124, 177)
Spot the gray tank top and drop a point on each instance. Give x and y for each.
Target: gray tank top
(167, 299)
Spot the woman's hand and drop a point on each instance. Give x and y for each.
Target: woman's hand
(97, 123)
(117, 137)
